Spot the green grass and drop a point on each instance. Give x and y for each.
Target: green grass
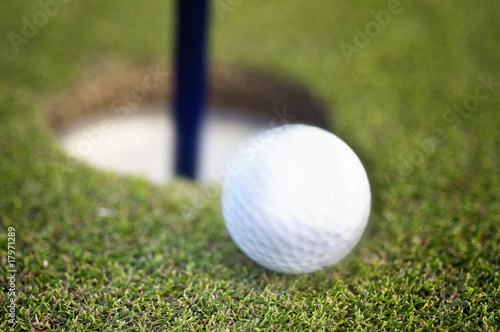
(429, 259)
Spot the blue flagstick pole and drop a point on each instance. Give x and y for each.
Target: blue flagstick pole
(190, 71)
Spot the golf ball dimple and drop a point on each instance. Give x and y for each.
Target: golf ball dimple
(299, 201)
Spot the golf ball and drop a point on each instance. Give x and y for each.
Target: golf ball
(297, 199)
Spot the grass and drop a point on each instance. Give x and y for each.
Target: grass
(429, 258)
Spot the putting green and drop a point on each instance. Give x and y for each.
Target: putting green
(414, 89)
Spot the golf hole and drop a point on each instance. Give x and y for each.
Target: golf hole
(118, 118)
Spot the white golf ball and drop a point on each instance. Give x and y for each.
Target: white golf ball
(297, 199)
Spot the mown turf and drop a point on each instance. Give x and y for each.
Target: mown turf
(431, 254)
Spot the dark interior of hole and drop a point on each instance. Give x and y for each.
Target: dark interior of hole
(246, 89)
